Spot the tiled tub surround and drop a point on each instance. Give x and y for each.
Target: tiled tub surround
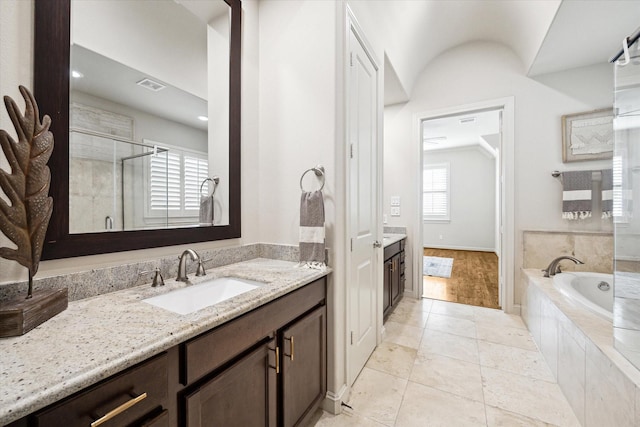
(595, 249)
(602, 387)
(99, 336)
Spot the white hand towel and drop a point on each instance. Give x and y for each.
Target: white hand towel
(206, 210)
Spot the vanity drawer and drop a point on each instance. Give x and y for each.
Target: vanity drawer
(391, 250)
(83, 409)
(211, 350)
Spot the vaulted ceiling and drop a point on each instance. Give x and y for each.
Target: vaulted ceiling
(547, 35)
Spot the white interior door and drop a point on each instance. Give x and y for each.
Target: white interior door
(362, 133)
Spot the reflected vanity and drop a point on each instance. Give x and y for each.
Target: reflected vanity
(129, 87)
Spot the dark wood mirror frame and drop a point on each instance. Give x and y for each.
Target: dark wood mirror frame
(51, 90)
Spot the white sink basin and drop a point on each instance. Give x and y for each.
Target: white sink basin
(205, 294)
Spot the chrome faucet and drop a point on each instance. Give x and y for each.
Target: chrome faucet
(554, 266)
(182, 265)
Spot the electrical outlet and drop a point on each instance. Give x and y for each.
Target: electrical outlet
(440, 237)
(395, 200)
(395, 211)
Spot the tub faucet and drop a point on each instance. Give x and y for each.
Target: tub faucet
(554, 266)
(182, 265)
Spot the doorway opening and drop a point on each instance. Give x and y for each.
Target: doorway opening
(461, 207)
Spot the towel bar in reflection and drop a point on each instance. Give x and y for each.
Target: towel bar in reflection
(215, 180)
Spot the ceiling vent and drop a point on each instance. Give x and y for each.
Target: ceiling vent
(466, 120)
(151, 84)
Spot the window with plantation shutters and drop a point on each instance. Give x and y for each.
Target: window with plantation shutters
(165, 181)
(196, 170)
(174, 182)
(435, 192)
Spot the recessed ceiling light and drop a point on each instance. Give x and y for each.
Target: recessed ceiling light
(153, 85)
(76, 74)
(203, 118)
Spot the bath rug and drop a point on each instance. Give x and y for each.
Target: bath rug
(437, 266)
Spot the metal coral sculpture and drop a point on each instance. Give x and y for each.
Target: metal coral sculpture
(25, 220)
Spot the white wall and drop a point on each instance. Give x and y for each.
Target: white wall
(16, 67)
(297, 112)
(481, 71)
(471, 225)
(300, 127)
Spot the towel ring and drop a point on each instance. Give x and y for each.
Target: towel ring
(215, 180)
(319, 171)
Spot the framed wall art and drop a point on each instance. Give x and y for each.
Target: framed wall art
(587, 136)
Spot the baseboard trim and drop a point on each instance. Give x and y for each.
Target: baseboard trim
(461, 248)
(515, 309)
(332, 402)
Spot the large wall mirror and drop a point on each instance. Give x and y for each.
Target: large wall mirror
(144, 99)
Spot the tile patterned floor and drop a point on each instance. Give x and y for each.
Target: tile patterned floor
(447, 364)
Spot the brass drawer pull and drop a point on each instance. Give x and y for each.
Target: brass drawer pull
(120, 409)
(277, 367)
(290, 356)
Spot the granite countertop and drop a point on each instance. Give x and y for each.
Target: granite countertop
(389, 238)
(102, 335)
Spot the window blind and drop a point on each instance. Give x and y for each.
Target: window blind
(196, 170)
(435, 187)
(165, 181)
(174, 181)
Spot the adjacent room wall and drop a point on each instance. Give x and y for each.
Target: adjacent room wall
(472, 208)
(482, 71)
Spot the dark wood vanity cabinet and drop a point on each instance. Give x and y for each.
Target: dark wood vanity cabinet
(278, 382)
(264, 368)
(244, 394)
(304, 367)
(137, 396)
(394, 278)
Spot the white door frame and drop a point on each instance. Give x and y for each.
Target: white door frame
(353, 26)
(507, 202)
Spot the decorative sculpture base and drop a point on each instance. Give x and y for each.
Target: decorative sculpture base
(19, 316)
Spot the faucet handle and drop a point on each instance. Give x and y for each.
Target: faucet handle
(157, 277)
(201, 271)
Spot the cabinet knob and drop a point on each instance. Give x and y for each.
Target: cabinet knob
(377, 244)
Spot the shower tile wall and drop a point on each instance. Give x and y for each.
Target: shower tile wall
(95, 188)
(594, 249)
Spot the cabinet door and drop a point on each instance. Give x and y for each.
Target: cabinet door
(304, 367)
(386, 293)
(395, 279)
(242, 395)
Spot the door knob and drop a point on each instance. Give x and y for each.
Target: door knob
(377, 244)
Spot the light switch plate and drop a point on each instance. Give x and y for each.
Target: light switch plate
(384, 218)
(395, 211)
(395, 200)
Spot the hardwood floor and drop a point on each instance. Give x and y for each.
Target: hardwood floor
(474, 278)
